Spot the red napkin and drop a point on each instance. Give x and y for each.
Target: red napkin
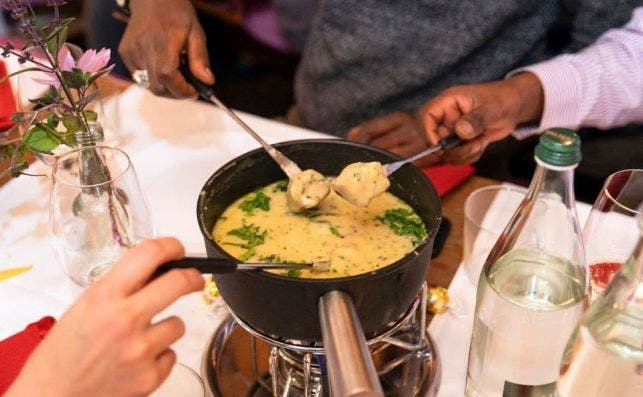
(7, 102)
(446, 177)
(15, 350)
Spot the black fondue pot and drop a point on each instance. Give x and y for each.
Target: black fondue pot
(288, 307)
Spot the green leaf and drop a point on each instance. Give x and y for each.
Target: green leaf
(63, 25)
(90, 115)
(74, 78)
(404, 223)
(248, 254)
(281, 186)
(50, 97)
(57, 38)
(252, 235)
(53, 132)
(40, 140)
(257, 200)
(295, 273)
(70, 122)
(52, 120)
(335, 232)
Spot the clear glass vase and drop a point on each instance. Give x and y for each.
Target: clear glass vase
(97, 211)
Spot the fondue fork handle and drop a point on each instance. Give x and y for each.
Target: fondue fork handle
(206, 92)
(445, 144)
(223, 265)
(350, 365)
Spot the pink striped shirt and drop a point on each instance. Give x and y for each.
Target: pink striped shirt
(601, 86)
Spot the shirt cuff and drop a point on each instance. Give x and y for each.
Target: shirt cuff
(563, 92)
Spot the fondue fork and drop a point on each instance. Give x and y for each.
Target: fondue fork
(224, 265)
(444, 144)
(287, 165)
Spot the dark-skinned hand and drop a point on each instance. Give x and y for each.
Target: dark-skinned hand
(157, 32)
(481, 114)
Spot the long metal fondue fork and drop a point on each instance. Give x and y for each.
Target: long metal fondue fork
(207, 93)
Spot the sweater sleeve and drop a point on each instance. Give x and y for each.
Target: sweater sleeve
(601, 86)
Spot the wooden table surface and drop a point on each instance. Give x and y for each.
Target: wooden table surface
(443, 267)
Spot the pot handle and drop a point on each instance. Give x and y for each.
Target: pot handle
(351, 370)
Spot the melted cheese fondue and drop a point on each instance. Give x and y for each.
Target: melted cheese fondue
(260, 227)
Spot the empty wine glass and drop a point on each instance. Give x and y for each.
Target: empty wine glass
(97, 211)
(611, 231)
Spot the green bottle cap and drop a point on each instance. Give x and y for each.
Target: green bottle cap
(559, 146)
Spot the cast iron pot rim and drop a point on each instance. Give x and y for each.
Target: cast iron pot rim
(390, 268)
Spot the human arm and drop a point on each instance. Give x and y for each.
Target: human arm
(106, 343)
(601, 86)
(156, 34)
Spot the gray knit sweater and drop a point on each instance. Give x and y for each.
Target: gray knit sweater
(366, 58)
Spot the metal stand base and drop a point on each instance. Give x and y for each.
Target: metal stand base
(241, 361)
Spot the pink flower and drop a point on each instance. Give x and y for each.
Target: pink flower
(65, 60)
(92, 61)
(51, 79)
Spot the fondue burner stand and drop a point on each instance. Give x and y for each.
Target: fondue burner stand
(243, 361)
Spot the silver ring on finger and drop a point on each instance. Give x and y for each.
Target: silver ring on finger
(142, 78)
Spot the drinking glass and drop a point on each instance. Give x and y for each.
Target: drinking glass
(611, 231)
(183, 381)
(95, 218)
(486, 213)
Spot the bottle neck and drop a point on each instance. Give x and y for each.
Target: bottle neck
(92, 137)
(548, 182)
(551, 179)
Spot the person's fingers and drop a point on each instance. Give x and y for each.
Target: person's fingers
(129, 64)
(431, 129)
(131, 56)
(166, 289)
(470, 126)
(369, 130)
(162, 334)
(451, 114)
(467, 152)
(404, 135)
(443, 132)
(172, 79)
(156, 85)
(138, 264)
(198, 55)
(163, 61)
(165, 361)
(434, 114)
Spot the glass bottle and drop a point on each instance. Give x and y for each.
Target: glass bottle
(605, 355)
(533, 286)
